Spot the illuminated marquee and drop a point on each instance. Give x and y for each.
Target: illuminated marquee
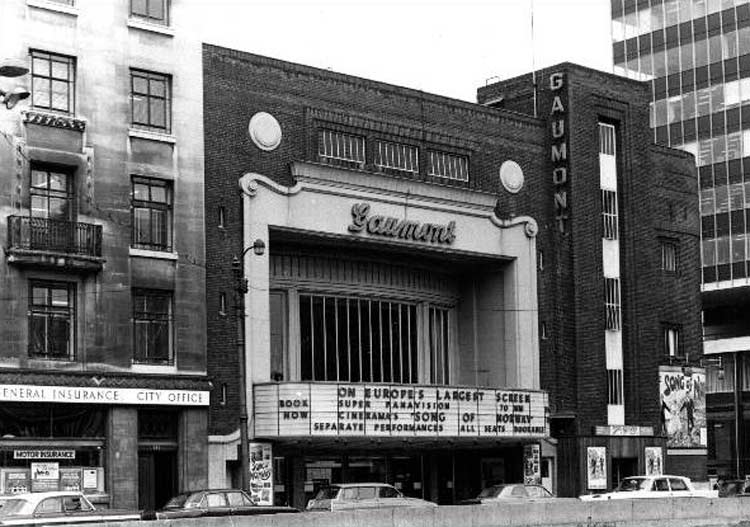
(365, 410)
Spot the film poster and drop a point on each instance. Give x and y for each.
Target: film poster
(596, 467)
(261, 473)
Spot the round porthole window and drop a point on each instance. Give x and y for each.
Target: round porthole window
(511, 176)
(264, 131)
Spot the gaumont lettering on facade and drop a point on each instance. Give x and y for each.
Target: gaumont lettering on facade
(559, 150)
(392, 227)
(74, 394)
(299, 409)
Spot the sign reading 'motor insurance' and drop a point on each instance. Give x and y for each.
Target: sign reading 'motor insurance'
(363, 410)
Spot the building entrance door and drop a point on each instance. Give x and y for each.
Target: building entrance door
(157, 478)
(623, 467)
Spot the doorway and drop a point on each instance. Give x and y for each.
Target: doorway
(623, 467)
(157, 478)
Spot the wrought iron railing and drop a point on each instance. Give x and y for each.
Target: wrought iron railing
(56, 236)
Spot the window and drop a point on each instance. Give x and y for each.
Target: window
(661, 485)
(677, 484)
(150, 101)
(448, 166)
(152, 213)
(672, 341)
(51, 320)
(357, 339)
(395, 156)
(222, 219)
(216, 500)
(53, 82)
(612, 303)
(51, 193)
(606, 139)
(340, 148)
(222, 304)
(614, 387)
(388, 492)
(669, 256)
(439, 363)
(154, 11)
(609, 215)
(152, 326)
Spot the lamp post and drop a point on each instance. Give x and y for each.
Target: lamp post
(12, 68)
(240, 290)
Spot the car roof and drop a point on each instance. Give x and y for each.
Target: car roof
(360, 485)
(39, 496)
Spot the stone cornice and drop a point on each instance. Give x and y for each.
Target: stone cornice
(54, 120)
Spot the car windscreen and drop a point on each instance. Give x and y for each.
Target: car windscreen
(491, 492)
(177, 502)
(11, 507)
(631, 484)
(327, 493)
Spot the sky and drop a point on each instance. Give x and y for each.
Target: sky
(445, 47)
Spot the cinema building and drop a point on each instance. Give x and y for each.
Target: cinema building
(422, 284)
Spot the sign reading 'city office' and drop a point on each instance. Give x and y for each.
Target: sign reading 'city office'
(364, 410)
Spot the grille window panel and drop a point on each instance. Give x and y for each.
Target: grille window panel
(341, 148)
(669, 256)
(612, 303)
(606, 139)
(439, 357)
(614, 387)
(609, 215)
(350, 339)
(396, 156)
(448, 166)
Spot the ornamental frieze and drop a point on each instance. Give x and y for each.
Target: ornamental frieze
(55, 121)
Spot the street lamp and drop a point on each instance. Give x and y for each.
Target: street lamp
(241, 288)
(13, 68)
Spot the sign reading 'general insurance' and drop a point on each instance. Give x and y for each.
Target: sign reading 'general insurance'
(364, 410)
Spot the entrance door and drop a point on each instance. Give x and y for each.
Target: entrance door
(157, 478)
(623, 467)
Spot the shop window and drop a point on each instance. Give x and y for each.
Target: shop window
(153, 11)
(52, 320)
(151, 208)
(614, 387)
(448, 166)
(339, 148)
(609, 214)
(152, 326)
(397, 157)
(673, 341)
(150, 99)
(357, 339)
(668, 256)
(612, 303)
(53, 79)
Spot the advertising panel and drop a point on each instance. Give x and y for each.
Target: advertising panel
(367, 410)
(654, 463)
(261, 473)
(44, 476)
(596, 467)
(532, 469)
(683, 406)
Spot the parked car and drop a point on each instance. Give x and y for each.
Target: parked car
(510, 492)
(348, 496)
(216, 502)
(662, 486)
(733, 487)
(45, 508)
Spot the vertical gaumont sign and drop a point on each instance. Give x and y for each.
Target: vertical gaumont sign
(559, 150)
(370, 410)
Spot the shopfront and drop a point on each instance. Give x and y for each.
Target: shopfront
(391, 336)
(120, 446)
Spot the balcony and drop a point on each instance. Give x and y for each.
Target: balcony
(59, 244)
